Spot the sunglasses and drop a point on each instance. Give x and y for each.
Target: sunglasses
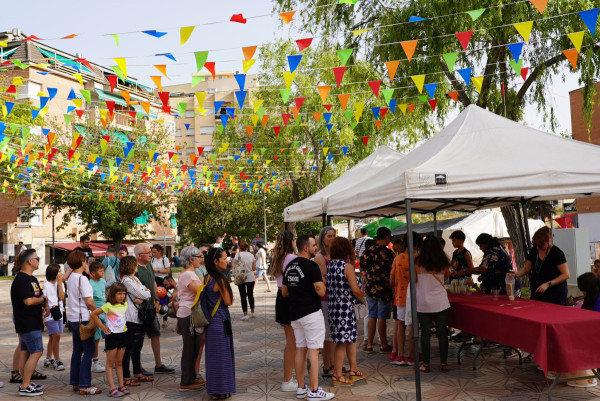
(197, 256)
(38, 259)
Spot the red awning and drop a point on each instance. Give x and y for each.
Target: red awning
(98, 248)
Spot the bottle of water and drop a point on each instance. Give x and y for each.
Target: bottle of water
(510, 286)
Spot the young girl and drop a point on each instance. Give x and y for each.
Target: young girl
(54, 290)
(98, 284)
(114, 310)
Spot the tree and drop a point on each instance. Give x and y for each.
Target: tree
(488, 56)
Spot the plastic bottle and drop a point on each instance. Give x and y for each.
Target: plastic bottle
(510, 286)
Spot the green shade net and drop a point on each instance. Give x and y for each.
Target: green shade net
(385, 222)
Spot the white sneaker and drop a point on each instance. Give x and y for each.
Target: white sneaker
(288, 387)
(301, 392)
(1, 384)
(97, 367)
(245, 317)
(252, 315)
(319, 395)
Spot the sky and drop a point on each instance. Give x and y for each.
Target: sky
(92, 23)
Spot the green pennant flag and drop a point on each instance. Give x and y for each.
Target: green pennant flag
(111, 164)
(348, 114)
(25, 132)
(450, 59)
(196, 80)
(68, 119)
(201, 58)
(13, 128)
(387, 94)
(262, 151)
(344, 55)
(423, 98)
(86, 95)
(19, 64)
(181, 106)
(353, 125)
(516, 66)
(208, 172)
(298, 120)
(220, 129)
(285, 94)
(261, 112)
(118, 71)
(116, 37)
(474, 14)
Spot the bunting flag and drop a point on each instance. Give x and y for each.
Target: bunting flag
(464, 38)
(239, 18)
(210, 66)
(475, 14)
(122, 63)
(360, 31)
(572, 55)
(392, 67)
(409, 47)
(323, 92)
(288, 16)
(303, 43)
(289, 77)
(157, 81)
(465, 73)
(249, 52)
(338, 72)
(241, 80)
(590, 19)
(185, 33)
(419, 80)
(453, 95)
(515, 50)
(432, 103)
(365, 140)
(516, 66)
(241, 98)
(162, 69)
(344, 55)
(524, 72)
(294, 61)
(478, 82)
(577, 39)
(375, 85)
(524, 29)
(155, 33)
(539, 4)
(430, 88)
(248, 64)
(201, 58)
(450, 59)
(343, 98)
(285, 94)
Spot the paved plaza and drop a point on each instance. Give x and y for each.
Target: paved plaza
(259, 370)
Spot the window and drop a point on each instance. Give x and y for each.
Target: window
(189, 114)
(178, 132)
(171, 128)
(190, 151)
(30, 90)
(190, 132)
(207, 130)
(30, 216)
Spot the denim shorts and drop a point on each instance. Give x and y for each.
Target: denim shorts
(379, 309)
(32, 341)
(54, 326)
(260, 272)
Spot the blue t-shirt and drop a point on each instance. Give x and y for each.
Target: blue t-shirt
(597, 305)
(99, 288)
(111, 269)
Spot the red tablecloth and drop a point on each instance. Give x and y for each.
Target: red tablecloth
(563, 339)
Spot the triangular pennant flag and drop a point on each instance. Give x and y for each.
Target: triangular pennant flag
(572, 55)
(478, 82)
(419, 80)
(299, 101)
(162, 68)
(238, 18)
(286, 119)
(241, 98)
(378, 124)
(329, 127)
(122, 63)
(344, 100)
(249, 52)
(392, 105)
(257, 104)
(254, 118)
(155, 33)
(224, 120)
(375, 85)
(409, 47)
(328, 107)
(576, 39)
(524, 72)
(433, 103)
(201, 58)
(303, 43)
(317, 116)
(285, 94)
(465, 73)
(196, 79)
(414, 18)
(241, 80)
(338, 72)
(475, 14)
(345, 150)
(402, 108)
(146, 106)
(539, 4)
(392, 67)
(167, 55)
(79, 79)
(210, 66)
(288, 77)
(112, 80)
(327, 117)
(249, 130)
(411, 107)
(524, 29)
(185, 32)
(464, 38)
(218, 106)
(430, 88)
(375, 111)
(248, 147)
(450, 59)
(344, 55)
(288, 16)
(295, 111)
(323, 92)
(157, 79)
(590, 19)
(515, 50)
(247, 64)
(115, 37)
(181, 106)
(516, 66)
(365, 140)
(276, 129)
(294, 61)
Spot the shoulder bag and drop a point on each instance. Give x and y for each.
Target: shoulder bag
(146, 312)
(85, 331)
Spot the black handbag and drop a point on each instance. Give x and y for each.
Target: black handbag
(56, 313)
(146, 312)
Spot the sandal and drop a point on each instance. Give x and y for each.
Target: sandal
(341, 381)
(90, 391)
(75, 389)
(327, 372)
(38, 376)
(129, 382)
(144, 378)
(124, 390)
(425, 368)
(445, 368)
(220, 396)
(345, 370)
(115, 392)
(367, 348)
(528, 358)
(356, 375)
(15, 377)
(385, 350)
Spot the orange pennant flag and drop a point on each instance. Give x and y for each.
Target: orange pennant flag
(104, 122)
(163, 69)
(157, 81)
(249, 129)
(146, 106)
(409, 47)
(378, 124)
(71, 36)
(126, 96)
(264, 121)
(411, 107)
(317, 116)
(392, 67)
(249, 52)
(571, 55)
(344, 100)
(453, 95)
(539, 4)
(295, 111)
(287, 17)
(324, 92)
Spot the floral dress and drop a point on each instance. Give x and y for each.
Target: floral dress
(342, 320)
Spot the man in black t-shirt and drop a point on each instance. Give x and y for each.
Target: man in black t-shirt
(29, 308)
(303, 284)
(84, 246)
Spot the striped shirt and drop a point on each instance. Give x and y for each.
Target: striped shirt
(361, 245)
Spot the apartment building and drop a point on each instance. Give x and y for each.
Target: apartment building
(47, 67)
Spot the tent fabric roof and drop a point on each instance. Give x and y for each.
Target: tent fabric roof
(315, 205)
(427, 227)
(480, 160)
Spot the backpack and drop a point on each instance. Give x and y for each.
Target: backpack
(240, 271)
(201, 315)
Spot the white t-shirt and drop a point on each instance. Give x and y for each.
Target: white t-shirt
(51, 292)
(260, 254)
(160, 264)
(248, 259)
(75, 301)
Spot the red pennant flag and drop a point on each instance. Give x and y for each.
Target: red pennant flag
(112, 79)
(133, 114)
(171, 155)
(286, 118)
(464, 38)
(383, 111)
(11, 89)
(157, 170)
(210, 66)
(238, 18)
(339, 74)
(31, 37)
(375, 85)
(84, 62)
(303, 43)
(164, 98)
(106, 138)
(80, 113)
(327, 107)
(299, 101)
(249, 147)
(524, 72)
(433, 103)
(365, 140)
(304, 150)
(275, 157)
(110, 104)
(200, 150)
(70, 153)
(453, 95)
(277, 129)
(411, 107)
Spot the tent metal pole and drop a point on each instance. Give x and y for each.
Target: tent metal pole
(324, 218)
(413, 299)
(329, 220)
(526, 224)
(435, 224)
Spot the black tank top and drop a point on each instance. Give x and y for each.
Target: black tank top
(458, 260)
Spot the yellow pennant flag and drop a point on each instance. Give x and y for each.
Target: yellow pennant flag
(359, 110)
(77, 103)
(288, 77)
(122, 63)
(419, 80)
(247, 64)
(163, 69)
(79, 79)
(524, 29)
(478, 82)
(257, 104)
(254, 118)
(403, 107)
(325, 151)
(360, 31)
(157, 79)
(185, 33)
(576, 39)
(201, 110)
(200, 98)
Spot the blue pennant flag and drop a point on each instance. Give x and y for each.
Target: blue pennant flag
(9, 107)
(327, 117)
(70, 109)
(345, 150)
(294, 61)
(218, 106)
(329, 158)
(167, 55)
(416, 19)
(465, 73)
(187, 126)
(155, 157)
(375, 111)
(241, 98)
(392, 105)
(43, 101)
(236, 158)
(45, 131)
(119, 160)
(515, 50)
(156, 34)
(131, 166)
(320, 142)
(329, 127)
(102, 176)
(241, 80)
(71, 95)
(230, 111)
(590, 18)
(2, 127)
(52, 92)
(430, 88)
(224, 119)
(315, 167)
(192, 173)
(34, 113)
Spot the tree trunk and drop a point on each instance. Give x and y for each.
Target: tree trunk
(351, 229)
(516, 230)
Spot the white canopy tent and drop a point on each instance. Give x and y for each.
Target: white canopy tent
(313, 207)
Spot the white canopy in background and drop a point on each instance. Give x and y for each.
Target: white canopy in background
(480, 160)
(313, 207)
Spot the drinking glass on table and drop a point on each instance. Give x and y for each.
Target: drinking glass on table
(495, 292)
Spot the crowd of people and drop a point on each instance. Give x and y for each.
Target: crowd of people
(325, 286)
